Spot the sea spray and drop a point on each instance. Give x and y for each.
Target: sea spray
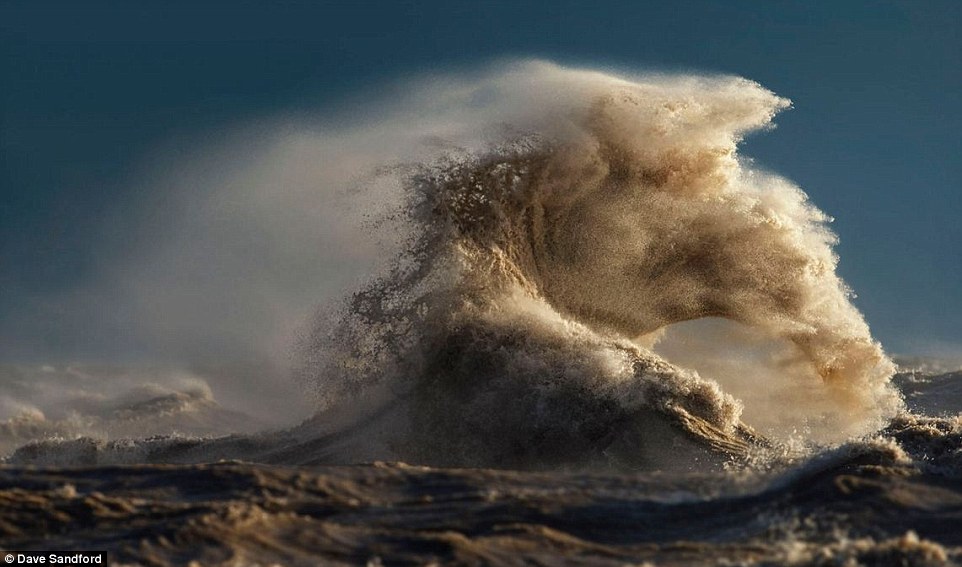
(588, 275)
(541, 257)
(585, 271)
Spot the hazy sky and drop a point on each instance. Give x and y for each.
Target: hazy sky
(93, 92)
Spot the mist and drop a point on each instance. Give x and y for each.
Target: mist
(235, 244)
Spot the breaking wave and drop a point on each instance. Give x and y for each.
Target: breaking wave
(587, 278)
(586, 272)
(544, 260)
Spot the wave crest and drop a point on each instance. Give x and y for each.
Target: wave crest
(544, 259)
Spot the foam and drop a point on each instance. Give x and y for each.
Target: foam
(594, 212)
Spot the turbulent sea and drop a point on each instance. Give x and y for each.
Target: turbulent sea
(604, 338)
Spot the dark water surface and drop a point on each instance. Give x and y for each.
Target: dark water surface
(891, 499)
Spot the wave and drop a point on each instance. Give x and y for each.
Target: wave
(890, 500)
(587, 273)
(104, 403)
(541, 266)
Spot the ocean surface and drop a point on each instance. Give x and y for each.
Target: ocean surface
(603, 337)
(891, 498)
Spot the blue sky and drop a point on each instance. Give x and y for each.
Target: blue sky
(92, 89)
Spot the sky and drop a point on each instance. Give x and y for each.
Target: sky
(98, 97)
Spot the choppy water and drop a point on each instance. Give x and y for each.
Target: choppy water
(892, 499)
(605, 338)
